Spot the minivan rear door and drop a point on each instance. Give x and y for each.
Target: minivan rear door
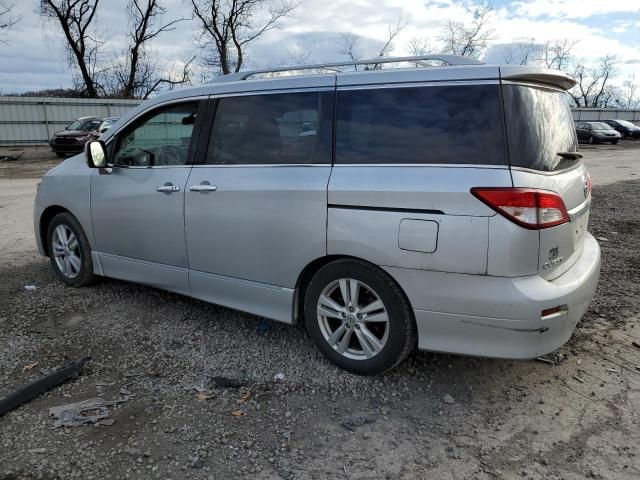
(541, 138)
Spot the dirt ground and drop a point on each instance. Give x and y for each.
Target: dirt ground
(160, 356)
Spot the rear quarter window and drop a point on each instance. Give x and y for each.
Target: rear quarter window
(420, 125)
(539, 125)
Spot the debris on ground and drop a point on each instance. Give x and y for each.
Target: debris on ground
(202, 396)
(575, 377)
(554, 358)
(635, 344)
(602, 239)
(448, 399)
(80, 413)
(263, 327)
(279, 377)
(30, 366)
(238, 413)
(11, 158)
(351, 423)
(30, 288)
(31, 390)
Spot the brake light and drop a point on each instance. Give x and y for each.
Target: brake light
(527, 207)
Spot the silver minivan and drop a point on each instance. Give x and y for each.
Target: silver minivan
(440, 206)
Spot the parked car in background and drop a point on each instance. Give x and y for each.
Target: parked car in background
(107, 123)
(596, 132)
(75, 135)
(384, 227)
(624, 127)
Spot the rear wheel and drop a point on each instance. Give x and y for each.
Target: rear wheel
(358, 317)
(69, 251)
(591, 140)
(613, 142)
(61, 154)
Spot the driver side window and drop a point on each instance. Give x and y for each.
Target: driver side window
(161, 139)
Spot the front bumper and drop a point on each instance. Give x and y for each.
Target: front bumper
(498, 316)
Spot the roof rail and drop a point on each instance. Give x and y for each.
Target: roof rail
(452, 60)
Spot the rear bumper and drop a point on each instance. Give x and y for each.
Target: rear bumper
(497, 316)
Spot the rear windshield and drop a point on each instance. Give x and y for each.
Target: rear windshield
(539, 125)
(431, 124)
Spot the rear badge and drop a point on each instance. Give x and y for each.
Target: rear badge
(554, 258)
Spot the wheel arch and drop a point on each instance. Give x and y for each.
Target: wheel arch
(313, 267)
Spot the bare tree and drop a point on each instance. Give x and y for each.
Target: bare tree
(469, 40)
(629, 96)
(557, 53)
(7, 19)
(349, 47)
(138, 71)
(419, 46)
(593, 82)
(75, 18)
(231, 25)
(522, 53)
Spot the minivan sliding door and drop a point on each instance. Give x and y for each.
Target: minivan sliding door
(256, 210)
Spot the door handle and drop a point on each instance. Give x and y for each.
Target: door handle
(204, 187)
(168, 188)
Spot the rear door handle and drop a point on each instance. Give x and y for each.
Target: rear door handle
(204, 187)
(168, 188)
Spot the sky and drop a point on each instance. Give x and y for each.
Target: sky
(32, 55)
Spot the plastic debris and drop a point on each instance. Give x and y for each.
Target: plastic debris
(279, 377)
(31, 390)
(30, 288)
(448, 399)
(79, 413)
(238, 413)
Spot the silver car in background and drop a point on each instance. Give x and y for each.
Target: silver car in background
(444, 207)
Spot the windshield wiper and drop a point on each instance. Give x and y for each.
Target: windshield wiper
(570, 155)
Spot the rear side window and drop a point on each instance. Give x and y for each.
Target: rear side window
(539, 125)
(432, 124)
(289, 128)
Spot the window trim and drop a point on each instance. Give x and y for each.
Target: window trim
(114, 141)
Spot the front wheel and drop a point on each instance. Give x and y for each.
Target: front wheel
(61, 154)
(614, 142)
(69, 251)
(358, 317)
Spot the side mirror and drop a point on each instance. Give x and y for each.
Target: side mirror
(96, 153)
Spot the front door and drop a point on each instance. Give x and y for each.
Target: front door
(138, 207)
(256, 210)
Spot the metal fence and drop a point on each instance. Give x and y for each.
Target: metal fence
(586, 114)
(33, 120)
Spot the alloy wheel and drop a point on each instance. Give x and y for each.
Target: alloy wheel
(353, 319)
(66, 251)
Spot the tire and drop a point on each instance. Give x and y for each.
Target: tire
(61, 154)
(78, 272)
(614, 142)
(377, 294)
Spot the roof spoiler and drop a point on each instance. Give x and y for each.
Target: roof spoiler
(555, 78)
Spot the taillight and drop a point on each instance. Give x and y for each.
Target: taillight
(528, 207)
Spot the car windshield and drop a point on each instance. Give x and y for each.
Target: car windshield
(75, 125)
(624, 123)
(600, 126)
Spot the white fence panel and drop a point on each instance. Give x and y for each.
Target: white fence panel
(33, 120)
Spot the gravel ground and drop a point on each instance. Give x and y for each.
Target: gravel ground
(435, 417)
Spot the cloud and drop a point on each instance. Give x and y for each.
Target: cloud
(36, 57)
